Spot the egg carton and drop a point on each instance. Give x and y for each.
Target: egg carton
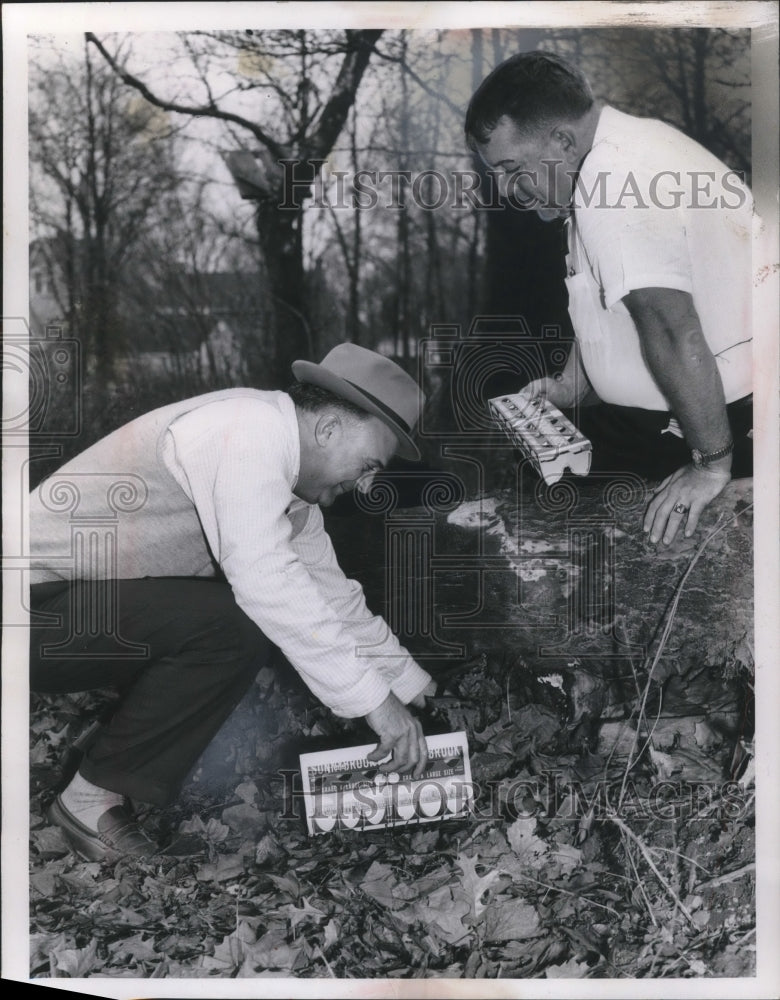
(343, 790)
(543, 434)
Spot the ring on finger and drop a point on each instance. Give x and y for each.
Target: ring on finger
(680, 508)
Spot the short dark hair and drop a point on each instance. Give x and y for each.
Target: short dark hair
(534, 89)
(313, 397)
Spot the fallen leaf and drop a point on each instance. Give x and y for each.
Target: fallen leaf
(297, 915)
(43, 946)
(567, 856)
(268, 850)
(664, 763)
(45, 724)
(247, 792)
(245, 819)
(39, 753)
(271, 951)
(331, 934)
(44, 883)
(82, 878)
(230, 953)
(510, 920)
(213, 831)
(706, 737)
(424, 840)
(136, 947)
(187, 845)
(77, 962)
(118, 917)
(443, 915)
(227, 866)
(523, 840)
(381, 884)
(473, 886)
(568, 970)
(287, 883)
(49, 842)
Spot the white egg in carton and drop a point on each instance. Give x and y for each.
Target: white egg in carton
(543, 434)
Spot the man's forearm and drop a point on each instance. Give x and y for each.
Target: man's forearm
(683, 366)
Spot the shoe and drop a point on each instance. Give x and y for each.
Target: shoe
(118, 835)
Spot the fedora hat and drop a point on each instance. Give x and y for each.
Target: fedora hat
(372, 382)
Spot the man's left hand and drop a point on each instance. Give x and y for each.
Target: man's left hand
(680, 499)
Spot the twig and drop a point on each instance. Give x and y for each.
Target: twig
(649, 741)
(721, 524)
(648, 858)
(728, 877)
(642, 888)
(677, 854)
(555, 888)
(327, 963)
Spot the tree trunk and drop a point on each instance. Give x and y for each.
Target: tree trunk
(353, 319)
(289, 336)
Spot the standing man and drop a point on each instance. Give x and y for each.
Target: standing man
(659, 277)
(169, 557)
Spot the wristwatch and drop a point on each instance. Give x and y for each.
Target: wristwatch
(702, 459)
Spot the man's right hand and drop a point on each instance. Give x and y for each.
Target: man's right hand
(560, 391)
(401, 734)
(567, 388)
(557, 392)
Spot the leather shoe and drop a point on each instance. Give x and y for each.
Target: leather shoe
(117, 835)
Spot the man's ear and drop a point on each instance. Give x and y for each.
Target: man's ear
(328, 424)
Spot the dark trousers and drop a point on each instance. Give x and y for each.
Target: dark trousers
(625, 439)
(180, 651)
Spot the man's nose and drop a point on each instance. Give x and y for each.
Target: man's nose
(516, 189)
(364, 484)
(503, 185)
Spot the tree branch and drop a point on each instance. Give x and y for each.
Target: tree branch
(204, 111)
(425, 86)
(360, 45)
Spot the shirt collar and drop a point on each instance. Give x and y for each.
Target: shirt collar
(287, 408)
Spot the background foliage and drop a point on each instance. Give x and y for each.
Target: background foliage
(145, 253)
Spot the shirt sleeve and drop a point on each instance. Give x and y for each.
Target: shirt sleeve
(633, 232)
(236, 464)
(373, 640)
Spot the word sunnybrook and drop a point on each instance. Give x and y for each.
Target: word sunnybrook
(431, 190)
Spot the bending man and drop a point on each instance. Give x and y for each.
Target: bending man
(171, 555)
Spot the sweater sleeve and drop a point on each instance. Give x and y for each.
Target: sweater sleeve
(374, 643)
(237, 462)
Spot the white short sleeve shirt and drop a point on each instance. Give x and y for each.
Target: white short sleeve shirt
(653, 208)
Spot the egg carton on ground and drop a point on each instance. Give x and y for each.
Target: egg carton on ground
(343, 790)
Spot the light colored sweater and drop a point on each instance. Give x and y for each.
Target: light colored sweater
(209, 482)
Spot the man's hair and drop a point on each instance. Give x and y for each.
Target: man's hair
(533, 89)
(314, 397)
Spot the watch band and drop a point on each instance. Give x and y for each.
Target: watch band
(703, 459)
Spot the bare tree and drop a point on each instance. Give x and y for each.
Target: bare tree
(100, 163)
(697, 79)
(298, 87)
